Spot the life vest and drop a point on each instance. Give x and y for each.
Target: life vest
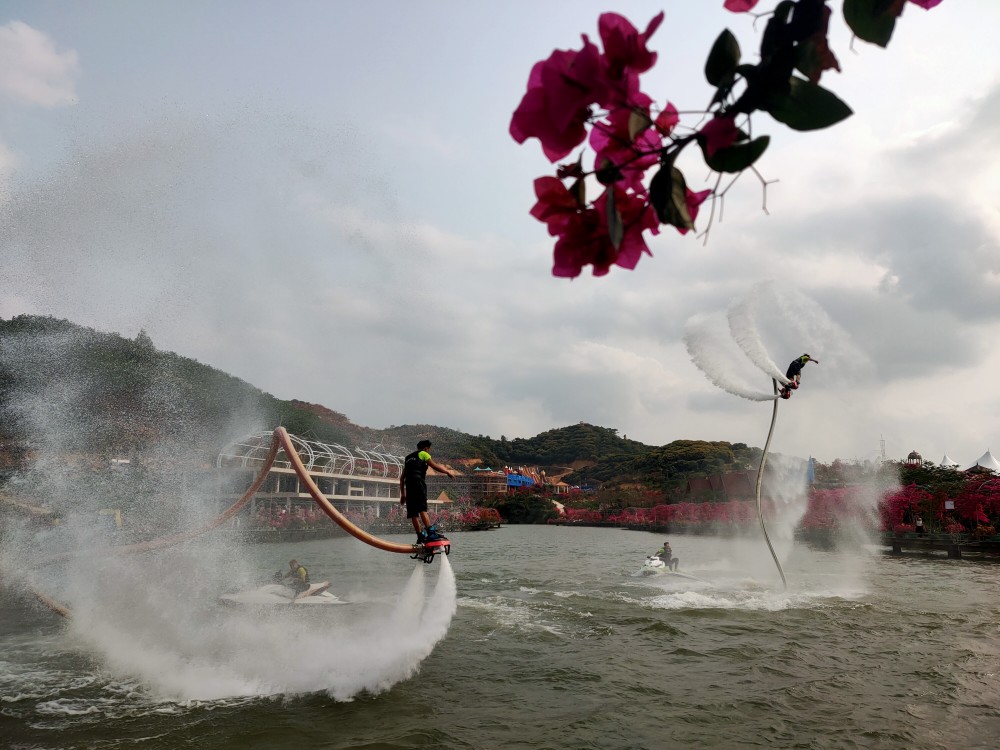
(415, 468)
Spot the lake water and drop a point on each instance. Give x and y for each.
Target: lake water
(525, 637)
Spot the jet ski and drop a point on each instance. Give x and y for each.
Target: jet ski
(317, 595)
(654, 566)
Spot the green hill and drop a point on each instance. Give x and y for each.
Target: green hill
(671, 465)
(86, 391)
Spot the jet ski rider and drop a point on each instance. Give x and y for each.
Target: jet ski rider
(667, 556)
(299, 576)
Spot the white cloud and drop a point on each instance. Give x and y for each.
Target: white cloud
(32, 71)
(387, 267)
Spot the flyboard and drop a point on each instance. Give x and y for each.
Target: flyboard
(428, 550)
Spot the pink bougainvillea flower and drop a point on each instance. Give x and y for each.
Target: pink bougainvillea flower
(637, 216)
(556, 205)
(556, 106)
(624, 93)
(693, 201)
(624, 47)
(625, 57)
(926, 4)
(585, 241)
(667, 120)
(742, 6)
(719, 132)
(612, 144)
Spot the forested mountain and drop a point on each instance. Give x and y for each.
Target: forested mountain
(670, 465)
(74, 389)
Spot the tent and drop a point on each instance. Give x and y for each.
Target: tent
(986, 461)
(948, 462)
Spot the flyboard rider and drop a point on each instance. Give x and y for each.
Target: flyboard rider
(413, 490)
(794, 374)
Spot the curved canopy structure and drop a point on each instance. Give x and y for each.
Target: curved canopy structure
(316, 457)
(948, 462)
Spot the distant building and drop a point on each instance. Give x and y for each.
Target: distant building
(477, 486)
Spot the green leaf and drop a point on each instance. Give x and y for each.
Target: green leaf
(607, 173)
(616, 228)
(873, 20)
(736, 158)
(668, 196)
(722, 59)
(775, 34)
(579, 191)
(808, 106)
(638, 121)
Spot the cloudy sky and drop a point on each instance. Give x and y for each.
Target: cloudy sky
(322, 198)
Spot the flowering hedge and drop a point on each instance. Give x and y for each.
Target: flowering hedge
(977, 503)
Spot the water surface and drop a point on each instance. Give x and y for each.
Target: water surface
(555, 643)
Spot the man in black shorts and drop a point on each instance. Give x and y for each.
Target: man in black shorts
(413, 490)
(794, 372)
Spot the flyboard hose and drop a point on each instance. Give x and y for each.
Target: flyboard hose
(281, 435)
(279, 441)
(760, 479)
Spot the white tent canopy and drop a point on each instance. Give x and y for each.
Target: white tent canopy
(987, 461)
(948, 462)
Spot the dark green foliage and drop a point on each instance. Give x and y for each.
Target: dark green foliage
(738, 157)
(669, 466)
(723, 59)
(523, 508)
(553, 448)
(807, 106)
(935, 479)
(668, 197)
(581, 442)
(873, 20)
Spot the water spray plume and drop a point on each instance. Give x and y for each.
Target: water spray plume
(745, 333)
(164, 635)
(808, 327)
(181, 652)
(707, 347)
